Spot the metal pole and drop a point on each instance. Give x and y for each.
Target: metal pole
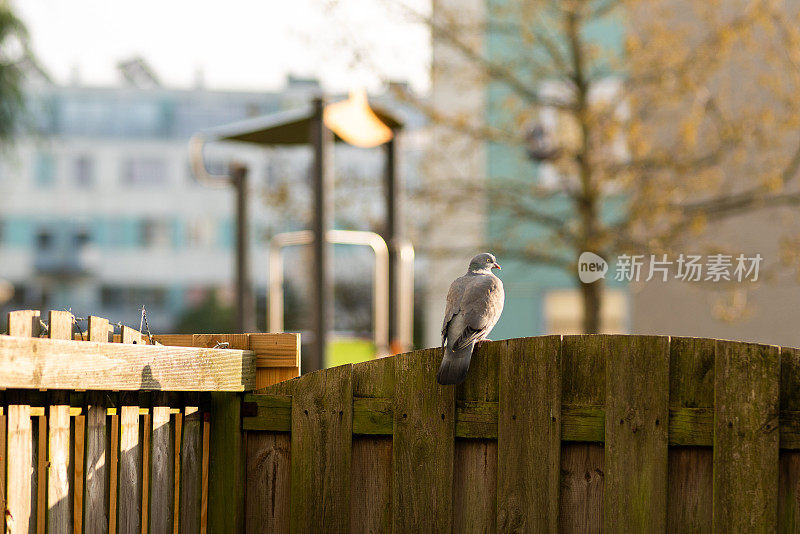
(245, 306)
(322, 218)
(391, 232)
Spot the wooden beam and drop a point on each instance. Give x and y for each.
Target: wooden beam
(55, 364)
(24, 323)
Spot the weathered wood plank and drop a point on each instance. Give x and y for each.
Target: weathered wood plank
(162, 496)
(746, 437)
(129, 501)
(583, 379)
(691, 400)
(637, 415)
(276, 350)
(57, 364)
(423, 448)
(529, 435)
(3, 458)
(40, 438)
(97, 460)
(267, 412)
(371, 463)
(789, 471)
(113, 475)
(99, 329)
(176, 471)
(131, 335)
(59, 506)
(78, 459)
(204, 468)
(268, 482)
(191, 466)
(24, 323)
(21, 516)
(322, 431)
(145, 438)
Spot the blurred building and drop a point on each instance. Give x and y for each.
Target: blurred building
(99, 211)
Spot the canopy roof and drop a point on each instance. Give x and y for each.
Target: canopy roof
(290, 127)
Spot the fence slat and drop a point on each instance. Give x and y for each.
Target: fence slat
(21, 516)
(177, 439)
(113, 474)
(3, 459)
(191, 459)
(371, 462)
(24, 323)
(129, 499)
(690, 504)
(59, 505)
(529, 435)
(78, 473)
(41, 474)
(423, 449)
(268, 482)
(789, 481)
(322, 432)
(637, 419)
(163, 469)
(145, 435)
(98, 457)
(746, 382)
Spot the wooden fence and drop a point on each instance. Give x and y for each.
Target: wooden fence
(573, 434)
(126, 437)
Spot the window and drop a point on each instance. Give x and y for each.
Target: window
(84, 172)
(144, 171)
(154, 233)
(563, 312)
(126, 297)
(44, 169)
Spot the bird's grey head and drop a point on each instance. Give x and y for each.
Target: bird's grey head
(483, 263)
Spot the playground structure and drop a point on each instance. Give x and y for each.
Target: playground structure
(555, 433)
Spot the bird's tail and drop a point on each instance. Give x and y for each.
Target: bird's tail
(455, 365)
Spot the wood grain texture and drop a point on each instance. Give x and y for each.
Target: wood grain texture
(129, 500)
(59, 507)
(78, 458)
(204, 468)
(276, 350)
(162, 471)
(21, 515)
(177, 438)
(57, 364)
(40, 438)
(529, 435)
(322, 431)
(690, 503)
(24, 323)
(145, 436)
(637, 416)
(97, 460)
(789, 469)
(268, 482)
(746, 437)
(113, 474)
(99, 329)
(423, 449)
(3, 458)
(226, 465)
(583, 378)
(191, 467)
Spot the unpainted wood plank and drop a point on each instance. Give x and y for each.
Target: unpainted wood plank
(99, 329)
(61, 364)
(529, 435)
(175, 340)
(423, 447)
(789, 471)
(145, 436)
(3, 464)
(475, 463)
(268, 482)
(637, 417)
(129, 500)
(113, 475)
(24, 323)
(60, 325)
(204, 470)
(59, 505)
(78, 473)
(41, 474)
(97, 465)
(162, 496)
(176, 471)
(583, 379)
(690, 502)
(20, 515)
(746, 437)
(272, 375)
(276, 350)
(132, 336)
(191, 463)
(322, 431)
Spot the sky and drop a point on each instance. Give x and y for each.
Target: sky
(232, 44)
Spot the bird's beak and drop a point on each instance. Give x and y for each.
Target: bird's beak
(497, 266)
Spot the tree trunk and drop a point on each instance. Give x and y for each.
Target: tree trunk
(592, 301)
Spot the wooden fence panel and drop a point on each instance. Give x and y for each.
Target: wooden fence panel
(423, 448)
(98, 453)
(371, 463)
(59, 494)
(21, 516)
(268, 482)
(789, 469)
(3, 457)
(637, 419)
(162, 473)
(190, 463)
(529, 435)
(583, 379)
(322, 432)
(746, 437)
(129, 501)
(475, 463)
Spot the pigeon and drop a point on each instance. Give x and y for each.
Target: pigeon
(474, 304)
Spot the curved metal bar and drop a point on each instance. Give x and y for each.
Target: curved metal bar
(380, 277)
(198, 164)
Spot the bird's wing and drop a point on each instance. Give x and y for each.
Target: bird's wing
(482, 304)
(453, 303)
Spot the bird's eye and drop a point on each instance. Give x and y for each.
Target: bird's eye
(488, 260)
